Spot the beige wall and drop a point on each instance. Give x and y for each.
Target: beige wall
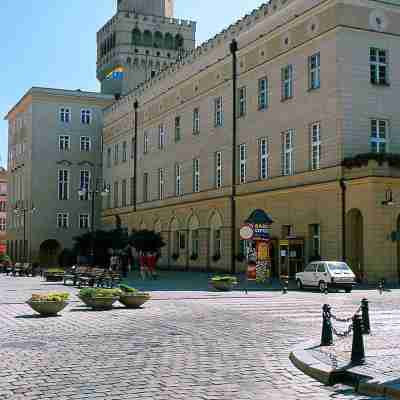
(342, 32)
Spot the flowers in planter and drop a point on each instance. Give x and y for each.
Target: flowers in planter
(48, 304)
(54, 296)
(132, 298)
(94, 293)
(225, 278)
(361, 160)
(129, 291)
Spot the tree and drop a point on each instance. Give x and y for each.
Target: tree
(146, 241)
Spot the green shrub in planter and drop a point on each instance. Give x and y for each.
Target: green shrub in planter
(225, 282)
(132, 298)
(98, 298)
(49, 304)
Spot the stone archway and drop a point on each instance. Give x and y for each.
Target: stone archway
(49, 251)
(355, 242)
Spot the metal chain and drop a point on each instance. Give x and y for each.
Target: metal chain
(334, 360)
(343, 334)
(344, 319)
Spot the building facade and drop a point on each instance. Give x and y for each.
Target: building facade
(55, 145)
(316, 86)
(3, 211)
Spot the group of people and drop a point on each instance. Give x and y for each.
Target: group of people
(147, 264)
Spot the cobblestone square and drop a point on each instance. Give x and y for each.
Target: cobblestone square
(181, 345)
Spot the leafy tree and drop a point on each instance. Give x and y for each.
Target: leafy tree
(146, 241)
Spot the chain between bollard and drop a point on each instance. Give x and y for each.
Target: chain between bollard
(333, 316)
(343, 334)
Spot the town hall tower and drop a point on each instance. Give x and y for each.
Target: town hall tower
(137, 43)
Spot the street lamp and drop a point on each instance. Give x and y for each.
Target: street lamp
(92, 193)
(22, 211)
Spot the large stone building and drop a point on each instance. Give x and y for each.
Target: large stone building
(317, 83)
(54, 142)
(3, 210)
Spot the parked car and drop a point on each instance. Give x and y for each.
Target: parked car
(326, 274)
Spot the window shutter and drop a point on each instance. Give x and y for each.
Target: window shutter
(293, 149)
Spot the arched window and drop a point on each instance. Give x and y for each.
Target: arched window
(158, 40)
(194, 239)
(178, 41)
(147, 38)
(216, 234)
(136, 37)
(169, 41)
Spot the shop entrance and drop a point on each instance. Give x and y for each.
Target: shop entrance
(291, 257)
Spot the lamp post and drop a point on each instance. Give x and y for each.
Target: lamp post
(22, 211)
(92, 193)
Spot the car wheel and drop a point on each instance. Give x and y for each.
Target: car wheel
(299, 284)
(322, 286)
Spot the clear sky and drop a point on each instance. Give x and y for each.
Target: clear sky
(52, 43)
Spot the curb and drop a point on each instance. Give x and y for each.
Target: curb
(365, 385)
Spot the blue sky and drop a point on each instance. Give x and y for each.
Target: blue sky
(52, 43)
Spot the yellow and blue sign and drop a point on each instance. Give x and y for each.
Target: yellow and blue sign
(117, 74)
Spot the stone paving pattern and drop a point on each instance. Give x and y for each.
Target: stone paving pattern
(181, 345)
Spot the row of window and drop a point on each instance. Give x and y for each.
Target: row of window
(378, 75)
(65, 116)
(64, 181)
(378, 143)
(63, 221)
(3, 224)
(64, 143)
(124, 155)
(3, 206)
(179, 242)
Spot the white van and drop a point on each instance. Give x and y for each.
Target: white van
(326, 274)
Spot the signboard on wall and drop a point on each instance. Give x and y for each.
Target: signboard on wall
(262, 232)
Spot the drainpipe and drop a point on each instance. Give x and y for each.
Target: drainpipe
(344, 188)
(233, 49)
(135, 106)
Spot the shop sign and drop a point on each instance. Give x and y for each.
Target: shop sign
(262, 232)
(263, 251)
(246, 232)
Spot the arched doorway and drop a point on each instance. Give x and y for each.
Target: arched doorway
(49, 252)
(355, 242)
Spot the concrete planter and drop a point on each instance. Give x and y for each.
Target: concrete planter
(134, 300)
(47, 308)
(224, 286)
(99, 303)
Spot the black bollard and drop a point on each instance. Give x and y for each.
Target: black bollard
(357, 350)
(327, 335)
(285, 285)
(366, 327)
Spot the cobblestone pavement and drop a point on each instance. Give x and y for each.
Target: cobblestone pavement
(181, 345)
